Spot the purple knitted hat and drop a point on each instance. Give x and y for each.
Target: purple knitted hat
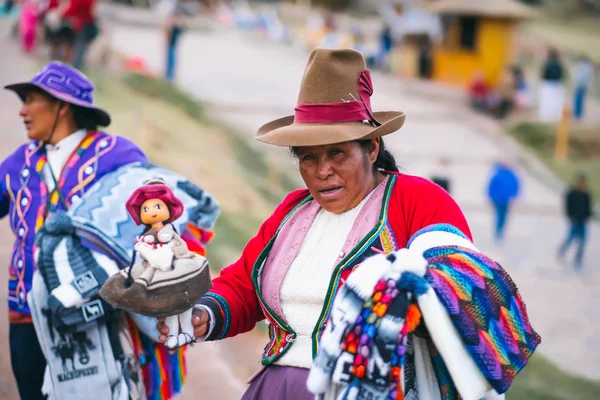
(64, 83)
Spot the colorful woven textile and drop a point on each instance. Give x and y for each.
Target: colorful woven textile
(474, 339)
(487, 310)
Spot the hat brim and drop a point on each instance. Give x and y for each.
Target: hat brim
(285, 132)
(101, 117)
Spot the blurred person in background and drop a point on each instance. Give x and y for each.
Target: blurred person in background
(479, 92)
(503, 189)
(51, 21)
(441, 175)
(80, 15)
(386, 45)
(173, 30)
(552, 89)
(173, 13)
(578, 210)
(522, 97)
(78, 29)
(505, 90)
(28, 25)
(583, 76)
(425, 59)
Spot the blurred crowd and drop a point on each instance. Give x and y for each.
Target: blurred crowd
(504, 187)
(514, 92)
(68, 27)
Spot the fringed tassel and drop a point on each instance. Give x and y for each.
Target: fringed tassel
(164, 373)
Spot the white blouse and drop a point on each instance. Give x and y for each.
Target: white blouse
(305, 285)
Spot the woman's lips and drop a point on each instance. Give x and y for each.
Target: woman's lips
(331, 192)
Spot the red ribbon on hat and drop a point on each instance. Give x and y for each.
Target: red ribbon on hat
(342, 111)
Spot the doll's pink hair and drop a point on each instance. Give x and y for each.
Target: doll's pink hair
(154, 189)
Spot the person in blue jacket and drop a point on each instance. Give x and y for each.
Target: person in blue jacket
(502, 190)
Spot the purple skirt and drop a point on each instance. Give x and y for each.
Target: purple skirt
(281, 383)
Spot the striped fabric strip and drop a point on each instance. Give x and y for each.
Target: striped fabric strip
(221, 311)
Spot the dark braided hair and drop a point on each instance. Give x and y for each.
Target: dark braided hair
(385, 160)
(129, 280)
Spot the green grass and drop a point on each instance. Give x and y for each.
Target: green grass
(154, 88)
(584, 150)
(542, 380)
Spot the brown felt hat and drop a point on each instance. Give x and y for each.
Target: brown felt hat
(333, 105)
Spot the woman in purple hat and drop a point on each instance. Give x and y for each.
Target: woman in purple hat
(65, 155)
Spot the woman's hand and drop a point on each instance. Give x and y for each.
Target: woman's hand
(200, 322)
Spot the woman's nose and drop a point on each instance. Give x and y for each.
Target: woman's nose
(324, 170)
(23, 111)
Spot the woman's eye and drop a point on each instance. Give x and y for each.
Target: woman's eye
(335, 152)
(145, 209)
(158, 206)
(307, 157)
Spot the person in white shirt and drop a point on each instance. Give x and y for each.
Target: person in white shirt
(583, 77)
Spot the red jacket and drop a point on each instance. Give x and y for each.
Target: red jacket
(414, 203)
(80, 13)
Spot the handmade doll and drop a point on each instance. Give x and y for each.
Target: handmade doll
(170, 279)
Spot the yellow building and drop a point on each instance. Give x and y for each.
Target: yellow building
(478, 37)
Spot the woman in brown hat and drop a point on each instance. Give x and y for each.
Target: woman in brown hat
(357, 204)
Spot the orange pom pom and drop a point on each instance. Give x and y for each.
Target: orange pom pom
(377, 297)
(360, 371)
(413, 317)
(381, 310)
(352, 348)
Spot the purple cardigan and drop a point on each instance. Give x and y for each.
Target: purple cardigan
(24, 196)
